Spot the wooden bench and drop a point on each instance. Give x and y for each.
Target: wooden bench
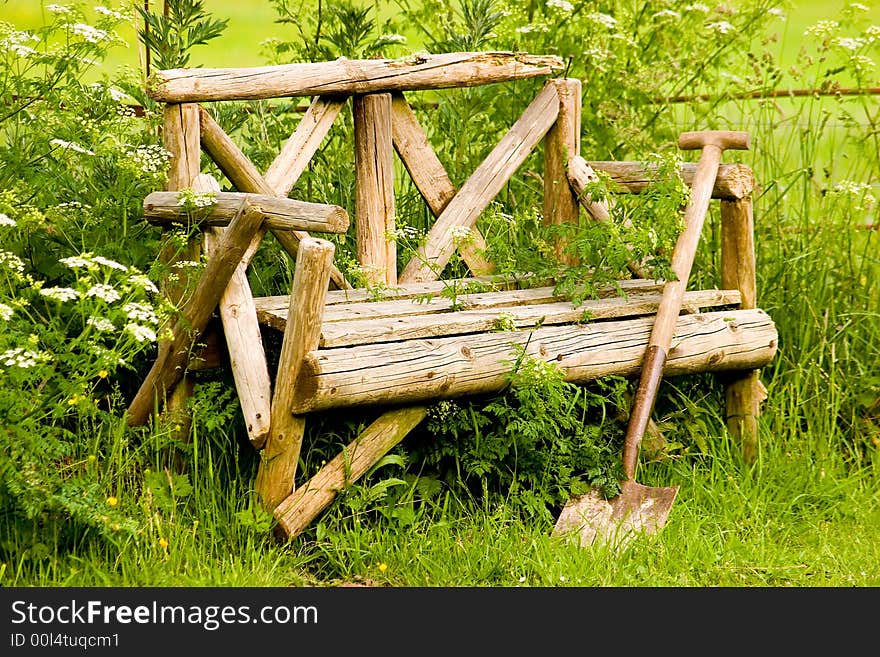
(343, 347)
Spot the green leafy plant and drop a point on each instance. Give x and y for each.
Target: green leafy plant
(171, 35)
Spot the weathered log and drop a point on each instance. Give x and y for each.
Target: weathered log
(346, 333)
(744, 391)
(426, 296)
(374, 188)
(276, 316)
(169, 366)
(430, 178)
(247, 358)
(562, 142)
(279, 213)
(349, 76)
(484, 185)
(299, 509)
(734, 181)
(475, 364)
(244, 175)
(298, 151)
(180, 134)
(278, 460)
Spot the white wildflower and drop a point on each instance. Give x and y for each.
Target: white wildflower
(667, 13)
(58, 9)
(603, 19)
(101, 260)
(858, 6)
(697, 6)
(862, 64)
(143, 282)
(393, 38)
(101, 324)
(74, 262)
(776, 11)
(186, 264)
(59, 293)
(104, 292)
(872, 33)
(5, 312)
(461, 235)
(561, 5)
(11, 261)
(71, 146)
(822, 29)
(109, 12)
(21, 50)
(89, 33)
(722, 27)
(150, 159)
(140, 312)
(5, 220)
(849, 43)
(23, 358)
(141, 333)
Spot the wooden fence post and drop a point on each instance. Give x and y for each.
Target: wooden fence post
(374, 188)
(744, 391)
(562, 142)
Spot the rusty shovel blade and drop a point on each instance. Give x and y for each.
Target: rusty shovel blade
(592, 519)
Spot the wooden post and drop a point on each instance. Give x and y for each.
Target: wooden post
(744, 391)
(374, 188)
(180, 134)
(279, 457)
(562, 142)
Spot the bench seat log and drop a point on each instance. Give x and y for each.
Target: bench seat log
(278, 213)
(437, 368)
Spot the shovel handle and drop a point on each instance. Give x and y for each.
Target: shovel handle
(713, 143)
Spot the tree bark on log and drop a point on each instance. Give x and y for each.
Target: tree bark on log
(349, 76)
(476, 364)
(374, 188)
(562, 142)
(744, 391)
(734, 181)
(170, 364)
(279, 213)
(278, 460)
(296, 512)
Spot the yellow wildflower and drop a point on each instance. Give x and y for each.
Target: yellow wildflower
(163, 543)
(112, 501)
(383, 567)
(102, 374)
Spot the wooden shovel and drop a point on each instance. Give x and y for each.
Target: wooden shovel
(640, 507)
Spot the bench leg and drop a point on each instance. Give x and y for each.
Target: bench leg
(279, 457)
(296, 512)
(744, 391)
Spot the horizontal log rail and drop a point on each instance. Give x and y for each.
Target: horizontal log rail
(342, 332)
(349, 76)
(734, 181)
(278, 213)
(478, 364)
